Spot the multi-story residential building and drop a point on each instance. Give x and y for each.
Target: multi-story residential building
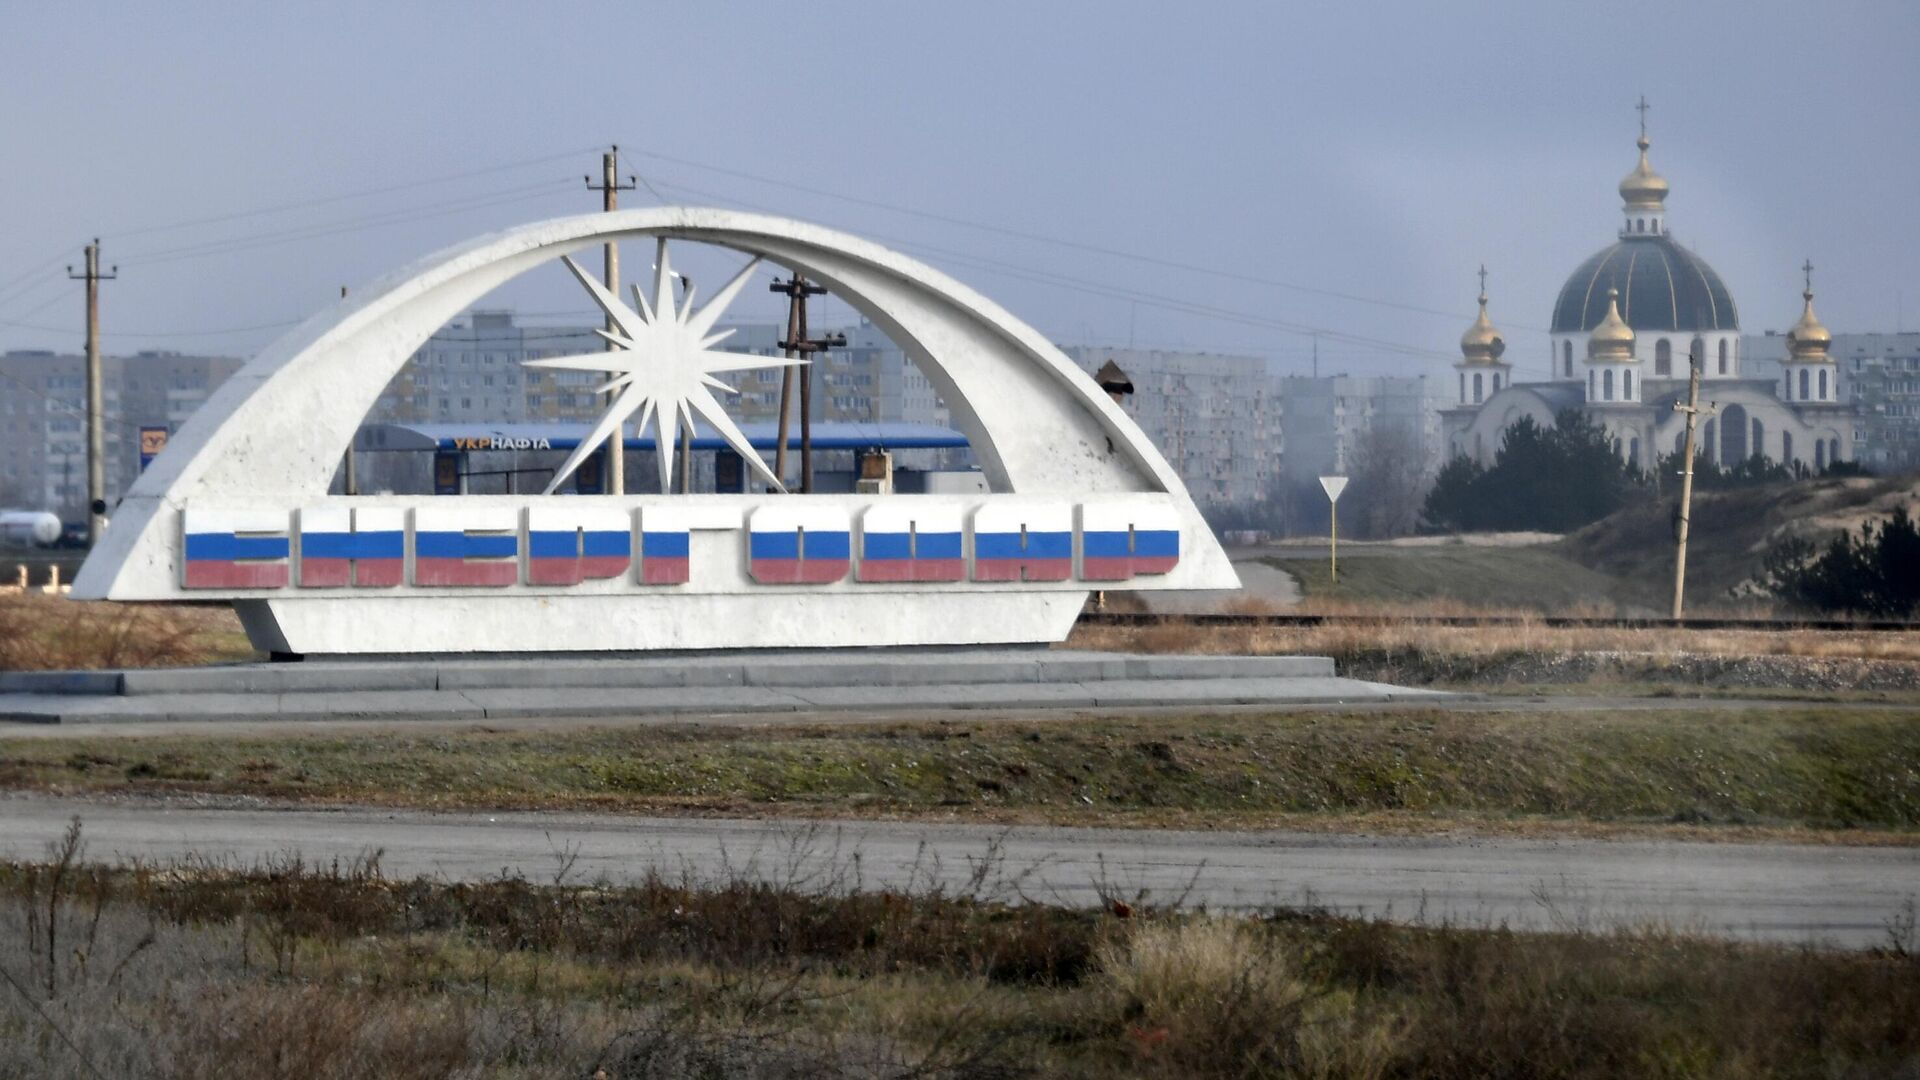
(1879, 379)
(473, 369)
(1324, 421)
(1211, 414)
(43, 419)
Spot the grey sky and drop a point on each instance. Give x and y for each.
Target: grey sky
(1381, 151)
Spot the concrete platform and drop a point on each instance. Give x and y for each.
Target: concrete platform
(856, 680)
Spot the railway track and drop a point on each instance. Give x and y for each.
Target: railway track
(1575, 622)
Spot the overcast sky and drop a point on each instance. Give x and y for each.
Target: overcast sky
(1381, 152)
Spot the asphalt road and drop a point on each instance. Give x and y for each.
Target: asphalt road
(1831, 895)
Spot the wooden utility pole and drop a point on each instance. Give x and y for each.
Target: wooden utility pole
(1694, 411)
(610, 188)
(798, 344)
(96, 397)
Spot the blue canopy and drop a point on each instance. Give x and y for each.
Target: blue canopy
(763, 436)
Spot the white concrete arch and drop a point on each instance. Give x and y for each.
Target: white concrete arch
(274, 434)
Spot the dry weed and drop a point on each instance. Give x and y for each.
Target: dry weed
(52, 633)
(1214, 997)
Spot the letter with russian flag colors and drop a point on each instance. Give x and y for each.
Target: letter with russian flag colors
(1023, 542)
(466, 545)
(795, 544)
(235, 549)
(342, 547)
(900, 541)
(665, 544)
(572, 543)
(1119, 540)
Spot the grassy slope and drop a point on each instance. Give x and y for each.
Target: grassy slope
(1823, 767)
(1531, 578)
(1730, 533)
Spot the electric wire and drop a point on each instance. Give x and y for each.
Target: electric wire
(1096, 249)
(349, 196)
(405, 215)
(1111, 291)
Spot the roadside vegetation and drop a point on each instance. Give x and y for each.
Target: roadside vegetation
(41, 633)
(337, 971)
(1525, 656)
(1876, 573)
(1808, 773)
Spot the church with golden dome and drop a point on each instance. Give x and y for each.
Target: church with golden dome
(1625, 326)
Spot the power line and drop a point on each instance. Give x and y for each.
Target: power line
(420, 212)
(363, 194)
(1118, 292)
(46, 264)
(1077, 245)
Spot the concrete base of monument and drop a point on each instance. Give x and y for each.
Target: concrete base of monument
(686, 685)
(1000, 613)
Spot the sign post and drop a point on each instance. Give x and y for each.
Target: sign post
(1333, 486)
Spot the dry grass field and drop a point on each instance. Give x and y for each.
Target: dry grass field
(1822, 773)
(336, 971)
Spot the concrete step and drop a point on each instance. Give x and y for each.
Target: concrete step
(669, 702)
(826, 668)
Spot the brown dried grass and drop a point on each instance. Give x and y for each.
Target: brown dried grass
(1529, 634)
(52, 633)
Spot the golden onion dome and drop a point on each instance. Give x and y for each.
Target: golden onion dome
(1482, 343)
(1612, 340)
(1808, 340)
(1644, 189)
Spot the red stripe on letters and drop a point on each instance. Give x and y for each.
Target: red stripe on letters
(661, 570)
(325, 573)
(1009, 569)
(461, 572)
(212, 574)
(564, 570)
(380, 573)
(1106, 568)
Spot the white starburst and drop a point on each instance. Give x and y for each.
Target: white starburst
(664, 368)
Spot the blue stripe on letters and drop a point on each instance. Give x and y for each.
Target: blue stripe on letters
(606, 544)
(1049, 545)
(1156, 543)
(551, 545)
(997, 546)
(887, 546)
(774, 545)
(559, 544)
(828, 545)
(454, 545)
(226, 547)
(665, 545)
(1105, 545)
(384, 544)
(939, 546)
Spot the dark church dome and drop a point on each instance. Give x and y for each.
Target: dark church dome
(1663, 287)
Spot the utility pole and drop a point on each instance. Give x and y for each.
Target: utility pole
(798, 344)
(1694, 411)
(610, 188)
(96, 397)
(686, 429)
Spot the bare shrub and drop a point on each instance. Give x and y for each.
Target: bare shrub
(1213, 997)
(41, 633)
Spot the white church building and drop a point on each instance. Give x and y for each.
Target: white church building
(1624, 326)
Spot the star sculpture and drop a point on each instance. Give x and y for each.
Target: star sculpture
(663, 368)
